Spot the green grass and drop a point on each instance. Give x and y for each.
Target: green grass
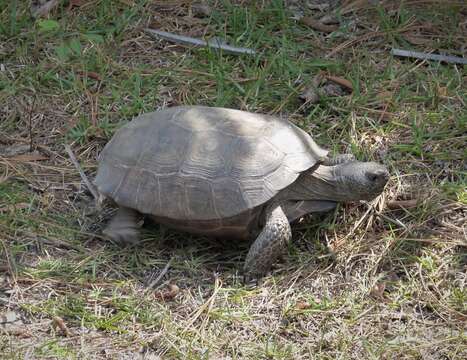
(393, 287)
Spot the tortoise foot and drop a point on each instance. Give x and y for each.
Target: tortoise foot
(123, 228)
(126, 236)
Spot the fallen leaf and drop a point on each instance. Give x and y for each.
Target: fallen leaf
(318, 25)
(312, 94)
(89, 74)
(402, 204)
(329, 19)
(168, 294)
(378, 290)
(302, 305)
(58, 322)
(340, 81)
(442, 91)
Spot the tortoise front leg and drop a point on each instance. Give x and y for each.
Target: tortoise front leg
(124, 228)
(270, 243)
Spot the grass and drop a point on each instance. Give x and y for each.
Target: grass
(362, 282)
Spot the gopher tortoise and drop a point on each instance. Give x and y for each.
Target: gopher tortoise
(226, 174)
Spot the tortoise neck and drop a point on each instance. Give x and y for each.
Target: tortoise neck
(322, 183)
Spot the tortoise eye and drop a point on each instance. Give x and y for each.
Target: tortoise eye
(376, 175)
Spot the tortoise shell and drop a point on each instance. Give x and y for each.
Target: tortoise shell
(203, 163)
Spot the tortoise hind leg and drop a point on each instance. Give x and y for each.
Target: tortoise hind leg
(270, 243)
(124, 228)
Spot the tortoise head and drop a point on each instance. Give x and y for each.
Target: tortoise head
(359, 180)
(347, 181)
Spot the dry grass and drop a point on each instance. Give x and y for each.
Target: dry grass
(368, 281)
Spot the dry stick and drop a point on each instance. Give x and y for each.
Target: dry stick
(153, 283)
(364, 37)
(90, 185)
(30, 124)
(351, 42)
(426, 56)
(402, 204)
(186, 40)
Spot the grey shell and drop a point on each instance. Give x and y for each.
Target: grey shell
(203, 163)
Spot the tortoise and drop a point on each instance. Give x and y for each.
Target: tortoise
(226, 173)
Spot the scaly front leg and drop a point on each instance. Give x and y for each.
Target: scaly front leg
(270, 243)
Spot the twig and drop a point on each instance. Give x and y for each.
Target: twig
(362, 314)
(90, 185)
(402, 204)
(394, 221)
(185, 40)
(58, 243)
(426, 56)
(30, 124)
(206, 306)
(153, 283)
(365, 37)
